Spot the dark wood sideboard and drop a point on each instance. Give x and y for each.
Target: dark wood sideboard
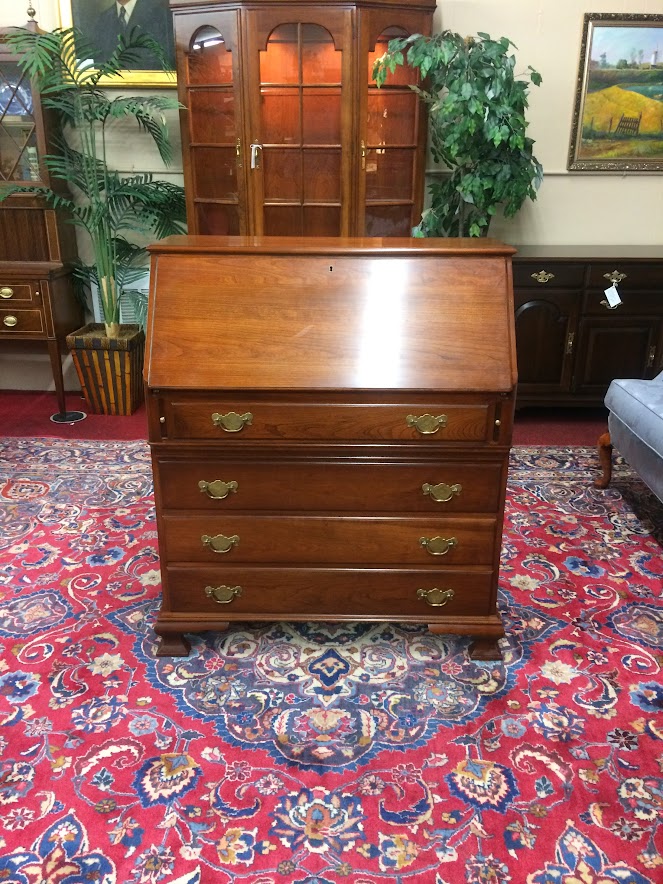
(570, 343)
(330, 422)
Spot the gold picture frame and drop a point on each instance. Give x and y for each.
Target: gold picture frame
(137, 78)
(618, 113)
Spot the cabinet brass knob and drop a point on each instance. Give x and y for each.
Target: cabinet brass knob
(542, 276)
(217, 489)
(220, 543)
(426, 423)
(441, 492)
(438, 546)
(435, 597)
(615, 277)
(223, 595)
(10, 321)
(6, 292)
(232, 422)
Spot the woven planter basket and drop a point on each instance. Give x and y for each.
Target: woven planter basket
(110, 370)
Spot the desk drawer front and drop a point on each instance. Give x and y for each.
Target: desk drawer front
(641, 275)
(17, 322)
(327, 422)
(328, 592)
(547, 275)
(13, 292)
(322, 539)
(330, 486)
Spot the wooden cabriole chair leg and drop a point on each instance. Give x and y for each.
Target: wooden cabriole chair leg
(605, 458)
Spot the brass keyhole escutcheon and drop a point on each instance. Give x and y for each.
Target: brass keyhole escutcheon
(217, 489)
(435, 597)
(232, 422)
(220, 543)
(441, 492)
(10, 321)
(6, 292)
(223, 595)
(438, 546)
(426, 423)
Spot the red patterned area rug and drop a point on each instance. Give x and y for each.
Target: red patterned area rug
(316, 753)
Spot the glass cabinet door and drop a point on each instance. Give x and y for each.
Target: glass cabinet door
(19, 154)
(390, 148)
(298, 167)
(213, 143)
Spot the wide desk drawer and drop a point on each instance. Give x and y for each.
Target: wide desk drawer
(547, 274)
(19, 322)
(327, 593)
(228, 486)
(15, 292)
(234, 420)
(330, 540)
(627, 276)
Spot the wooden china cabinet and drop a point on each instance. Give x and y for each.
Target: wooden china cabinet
(284, 131)
(37, 302)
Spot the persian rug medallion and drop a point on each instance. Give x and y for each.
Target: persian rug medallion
(322, 753)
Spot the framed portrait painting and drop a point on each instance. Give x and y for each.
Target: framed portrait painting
(618, 112)
(101, 22)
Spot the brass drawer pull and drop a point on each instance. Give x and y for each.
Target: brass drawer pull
(438, 546)
(10, 321)
(426, 423)
(220, 543)
(223, 595)
(232, 422)
(217, 489)
(435, 597)
(615, 277)
(6, 292)
(442, 492)
(542, 276)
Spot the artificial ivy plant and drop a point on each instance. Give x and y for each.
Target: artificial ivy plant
(476, 111)
(114, 209)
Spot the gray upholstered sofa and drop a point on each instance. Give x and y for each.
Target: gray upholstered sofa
(635, 425)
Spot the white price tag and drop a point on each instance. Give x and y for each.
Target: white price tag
(613, 296)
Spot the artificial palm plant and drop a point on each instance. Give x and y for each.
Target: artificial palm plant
(107, 205)
(476, 114)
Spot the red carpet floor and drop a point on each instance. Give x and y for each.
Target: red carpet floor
(313, 753)
(28, 415)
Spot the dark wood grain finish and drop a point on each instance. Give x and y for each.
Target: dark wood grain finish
(338, 413)
(570, 344)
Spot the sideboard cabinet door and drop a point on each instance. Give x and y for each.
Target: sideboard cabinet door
(283, 130)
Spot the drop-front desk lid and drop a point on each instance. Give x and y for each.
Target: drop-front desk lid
(278, 313)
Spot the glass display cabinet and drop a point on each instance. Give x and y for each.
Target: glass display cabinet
(37, 301)
(283, 129)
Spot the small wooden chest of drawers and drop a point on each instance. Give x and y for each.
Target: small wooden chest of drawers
(330, 423)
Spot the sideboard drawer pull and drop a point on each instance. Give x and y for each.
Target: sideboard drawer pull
(6, 291)
(438, 546)
(223, 595)
(441, 492)
(435, 597)
(232, 422)
(10, 321)
(615, 277)
(426, 423)
(217, 489)
(220, 543)
(542, 276)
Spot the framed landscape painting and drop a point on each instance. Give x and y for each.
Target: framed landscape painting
(618, 113)
(98, 22)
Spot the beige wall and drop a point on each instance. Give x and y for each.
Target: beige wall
(589, 208)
